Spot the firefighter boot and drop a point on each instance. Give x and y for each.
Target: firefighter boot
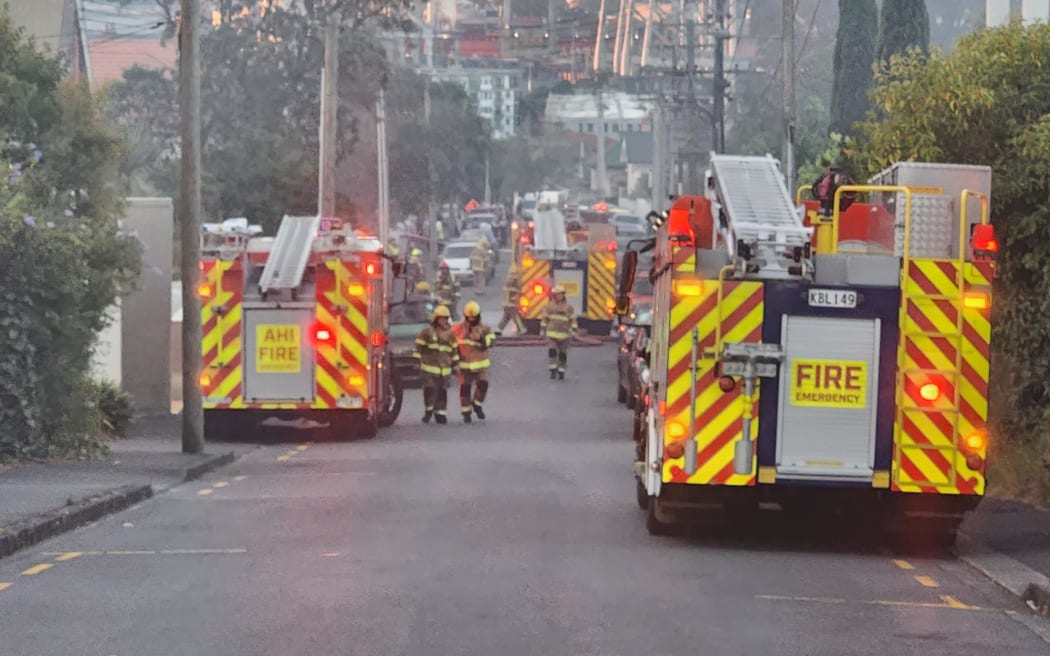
(561, 375)
(554, 374)
(427, 415)
(466, 414)
(441, 418)
(478, 411)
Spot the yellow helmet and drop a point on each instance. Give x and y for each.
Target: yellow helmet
(558, 289)
(422, 286)
(416, 252)
(471, 309)
(442, 311)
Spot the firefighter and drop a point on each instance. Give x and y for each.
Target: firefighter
(559, 325)
(824, 190)
(474, 339)
(511, 295)
(438, 355)
(479, 265)
(446, 287)
(423, 289)
(414, 266)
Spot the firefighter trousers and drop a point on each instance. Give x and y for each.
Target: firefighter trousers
(557, 354)
(479, 282)
(435, 393)
(511, 314)
(479, 381)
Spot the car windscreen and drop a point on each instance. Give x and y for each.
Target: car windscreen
(458, 251)
(410, 312)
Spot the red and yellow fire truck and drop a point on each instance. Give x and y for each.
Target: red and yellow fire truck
(580, 256)
(294, 328)
(846, 360)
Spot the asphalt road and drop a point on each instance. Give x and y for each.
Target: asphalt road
(516, 536)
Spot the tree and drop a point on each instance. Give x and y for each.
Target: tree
(854, 55)
(63, 260)
(987, 104)
(903, 24)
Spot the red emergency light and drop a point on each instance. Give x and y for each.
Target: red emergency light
(378, 339)
(322, 334)
(678, 227)
(983, 241)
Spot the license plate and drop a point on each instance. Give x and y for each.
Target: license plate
(762, 370)
(834, 298)
(351, 402)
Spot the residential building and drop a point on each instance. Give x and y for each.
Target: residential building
(622, 113)
(493, 88)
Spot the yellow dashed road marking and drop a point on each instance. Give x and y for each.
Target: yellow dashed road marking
(4, 586)
(36, 569)
(927, 581)
(282, 458)
(205, 492)
(239, 478)
(955, 603)
(903, 564)
(162, 552)
(220, 484)
(302, 447)
(69, 555)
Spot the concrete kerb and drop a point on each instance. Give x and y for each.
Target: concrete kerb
(1022, 581)
(36, 529)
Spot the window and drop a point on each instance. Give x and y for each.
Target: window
(616, 127)
(590, 127)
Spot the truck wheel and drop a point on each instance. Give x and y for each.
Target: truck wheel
(621, 393)
(641, 495)
(394, 397)
(659, 521)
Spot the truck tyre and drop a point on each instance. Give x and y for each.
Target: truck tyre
(658, 521)
(394, 397)
(641, 495)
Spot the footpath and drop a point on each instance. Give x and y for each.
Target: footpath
(41, 500)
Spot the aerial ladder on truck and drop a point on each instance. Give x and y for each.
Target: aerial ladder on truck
(294, 329)
(853, 373)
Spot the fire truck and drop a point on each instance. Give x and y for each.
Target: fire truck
(803, 356)
(579, 256)
(294, 328)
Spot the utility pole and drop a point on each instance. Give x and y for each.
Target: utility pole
(787, 70)
(381, 169)
(329, 110)
(720, 84)
(189, 223)
(488, 187)
(431, 206)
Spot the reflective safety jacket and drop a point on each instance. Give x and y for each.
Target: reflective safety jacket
(559, 320)
(447, 290)
(479, 259)
(511, 291)
(436, 350)
(474, 343)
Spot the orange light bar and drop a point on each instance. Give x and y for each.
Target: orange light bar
(610, 264)
(527, 260)
(688, 288)
(204, 380)
(356, 380)
(661, 407)
(355, 289)
(930, 391)
(523, 302)
(977, 300)
(610, 303)
(675, 429)
(204, 290)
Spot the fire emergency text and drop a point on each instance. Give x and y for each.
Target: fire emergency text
(828, 383)
(277, 348)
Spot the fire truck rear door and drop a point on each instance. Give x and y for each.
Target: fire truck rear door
(828, 398)
(279, 362)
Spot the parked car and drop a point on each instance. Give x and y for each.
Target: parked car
(482, 231)
(407, 318)
(633, 354)
(457, 256)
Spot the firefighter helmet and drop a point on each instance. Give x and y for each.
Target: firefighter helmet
(558, 289)
(423, 287)
(471, 309)
(442, 311)
(443, 265)
(416, 252)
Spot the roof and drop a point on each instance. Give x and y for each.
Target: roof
(110, 58)
(639, 147)
(618, 106)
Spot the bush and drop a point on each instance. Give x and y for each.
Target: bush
(63, 261)
(116, 407)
